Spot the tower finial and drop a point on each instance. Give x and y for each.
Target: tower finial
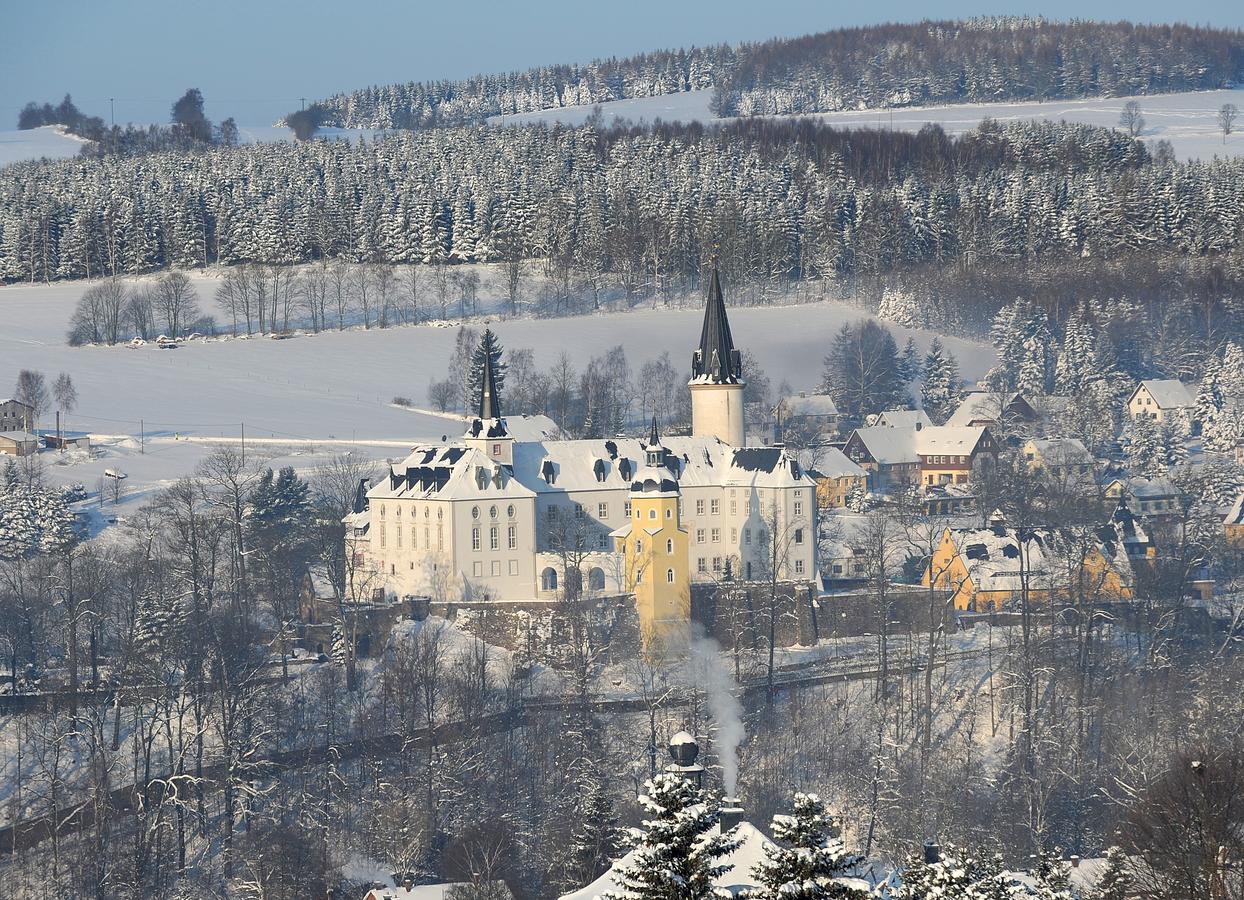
(654, 438)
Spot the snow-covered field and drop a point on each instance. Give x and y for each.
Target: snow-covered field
(1187, 120)
(52, 142)
(335, 389)
(49, 142)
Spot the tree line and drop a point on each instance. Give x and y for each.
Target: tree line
(980, 60)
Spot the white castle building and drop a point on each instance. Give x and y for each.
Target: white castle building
(492, 517)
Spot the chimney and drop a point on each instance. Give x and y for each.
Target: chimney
(932, 852)
(1075, 862)
(730, 814)
(683, 750)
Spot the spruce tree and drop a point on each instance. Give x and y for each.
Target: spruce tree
(1115, 882)
(940, 383)
(956, 874)
(805, 859)
(488, 346)
(677, 855)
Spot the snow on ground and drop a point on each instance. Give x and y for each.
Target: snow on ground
(49, 141)
(335, 389)
(1187, 120)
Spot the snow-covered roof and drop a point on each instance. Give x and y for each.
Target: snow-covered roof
(4, 400)
(980, 406)
(829, 462)
(418, 892)
(1167, 393)
(809, 405)
(532, 428)
(944, 439)
(992, 555)
(1152, 488)
(903, 418)
(21, 437)
(889, 446)
(737, 879)
(1060, 451)
(1235, 516)
(447, 472)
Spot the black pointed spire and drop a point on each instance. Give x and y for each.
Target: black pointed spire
(716, 361)
(654, 438)
(489, 398)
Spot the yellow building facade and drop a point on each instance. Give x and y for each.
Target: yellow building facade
(987, 569)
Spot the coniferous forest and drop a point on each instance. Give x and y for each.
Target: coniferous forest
(974, 61)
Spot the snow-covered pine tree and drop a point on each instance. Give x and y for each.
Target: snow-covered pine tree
(940, 383)
(1052, 878)
(488, 346)
(857, 499)
(1116, 882)
(1209, 402)
(1076, 358)
(909, 362)
(806, 859)
(677, 855)
(957, 875)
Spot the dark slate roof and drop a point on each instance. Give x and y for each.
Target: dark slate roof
(758, 459)
(360, 496)
(716, 361)
(489, 399)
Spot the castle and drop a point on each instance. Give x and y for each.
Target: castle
(492, 517)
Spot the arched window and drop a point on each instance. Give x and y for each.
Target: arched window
(669, 513)
(596, 579)
(652, 514)
(382, 510)
(669, 576)
(548, 579)
(669, 545)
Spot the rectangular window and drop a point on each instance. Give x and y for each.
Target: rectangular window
(699, 535)
(747, 536)
(626, 509)
(798, 508)
(382, 532)
(716, 563)
(579, 512)
(399, 535)
(512, 537)
(474, 538)
(716, 535)
(714, 506)
(798, 535)
(701, 564)
(837, 568)
(513, 567)
(496, 567)
(699, 507)
(734, 536)
(494, 539)
(747, 506)
(602, 510)
(477, 569)
(440, 536)
(552, 513)
(799, 567)
(734, 506)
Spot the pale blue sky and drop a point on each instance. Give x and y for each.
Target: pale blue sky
(253, 60)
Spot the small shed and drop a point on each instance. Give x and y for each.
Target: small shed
(18, 443)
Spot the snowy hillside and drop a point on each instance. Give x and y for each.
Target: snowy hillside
(339, 385)
(1187, 120)
(50, 142)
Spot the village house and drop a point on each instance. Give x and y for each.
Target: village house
(1233, 524)
(1160, 400)
(1153, 498)
(929, 456)
(997, 566)
(1063, 460)
(836, 476)
(16, 416)
(992, 409)
(18, 443)
(812, 417)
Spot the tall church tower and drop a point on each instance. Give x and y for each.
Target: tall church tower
(717, 376)
(656, 549)
(487, 432)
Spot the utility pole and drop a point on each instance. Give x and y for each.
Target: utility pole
(112, 111)
(303, 101)
(142, 437)
(60, 444)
